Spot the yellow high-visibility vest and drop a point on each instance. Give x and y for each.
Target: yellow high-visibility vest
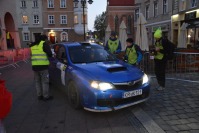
(8, 35)
(38, 56)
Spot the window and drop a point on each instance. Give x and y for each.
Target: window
(129, 25)
(165, 6)
(116, 24)
(51, 19)
(23, 3)
(75, 19)
(155, 9)
(182, 5)
(35, 3)
(147, 12)
(26, 36)
(50, 3)
(75, 5)
(36, 19)
(24, 19)
(84, 19)
(63, 19)
(64, 36)
(62, 3)
(193, 3)
(137, 11)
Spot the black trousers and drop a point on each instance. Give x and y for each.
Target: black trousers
(160, 66)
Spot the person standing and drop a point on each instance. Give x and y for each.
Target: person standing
(113, 44)
(133, 53)
(40, 54)
(160, 59)
(9, 39)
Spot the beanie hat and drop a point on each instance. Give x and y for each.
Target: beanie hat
(158, 33)
(130, 40)
(113, 33)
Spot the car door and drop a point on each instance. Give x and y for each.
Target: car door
(62, 62)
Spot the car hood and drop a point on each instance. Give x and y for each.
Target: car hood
(110, 71)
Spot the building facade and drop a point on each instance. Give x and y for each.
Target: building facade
(157, 14)
(8, 24)
(186, 11)
(63, 20)
(118, 11)
(30, 22)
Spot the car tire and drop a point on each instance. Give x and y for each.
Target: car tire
(73, 96)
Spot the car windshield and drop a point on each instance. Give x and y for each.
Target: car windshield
(89, 54)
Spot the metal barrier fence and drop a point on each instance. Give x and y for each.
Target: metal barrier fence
(184, 66)
(12, 57)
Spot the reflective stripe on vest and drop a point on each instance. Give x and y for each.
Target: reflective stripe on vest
(38, 56)
(113, 45)
(159, 55)
(131, 53)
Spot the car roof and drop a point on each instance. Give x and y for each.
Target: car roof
(72, 44)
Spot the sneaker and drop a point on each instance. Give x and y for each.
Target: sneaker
(40, 97)
(48, 98)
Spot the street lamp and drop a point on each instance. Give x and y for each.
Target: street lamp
(83, 2)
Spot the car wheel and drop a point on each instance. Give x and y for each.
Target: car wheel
(73, 96)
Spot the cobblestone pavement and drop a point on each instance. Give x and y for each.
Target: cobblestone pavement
(176, 109)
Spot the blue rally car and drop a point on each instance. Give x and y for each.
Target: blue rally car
(95, 79)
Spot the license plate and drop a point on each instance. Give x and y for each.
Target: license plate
(132, 93)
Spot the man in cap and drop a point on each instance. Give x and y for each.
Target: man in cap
(160, 58)
(113, 44)
(133, 53)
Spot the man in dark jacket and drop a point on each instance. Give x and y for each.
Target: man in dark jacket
(40, 53)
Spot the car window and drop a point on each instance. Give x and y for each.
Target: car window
(89, 54)
(61, 55)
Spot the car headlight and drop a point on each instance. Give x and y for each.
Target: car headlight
(145, 79)
(101, 85)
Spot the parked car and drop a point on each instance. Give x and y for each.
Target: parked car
(95, 79)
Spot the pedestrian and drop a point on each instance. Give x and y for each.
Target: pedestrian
(40, 54)
(133, 53)
(113, 44)
(160, 59)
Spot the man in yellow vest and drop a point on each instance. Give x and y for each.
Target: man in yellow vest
(133, 53)
(9, 39)
(113, 45)
(40, 53)
(160, 59)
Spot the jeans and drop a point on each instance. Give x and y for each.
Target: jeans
(42, 83)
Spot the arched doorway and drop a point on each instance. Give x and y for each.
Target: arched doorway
(10, 29)
(64, 36)
(52, 38)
